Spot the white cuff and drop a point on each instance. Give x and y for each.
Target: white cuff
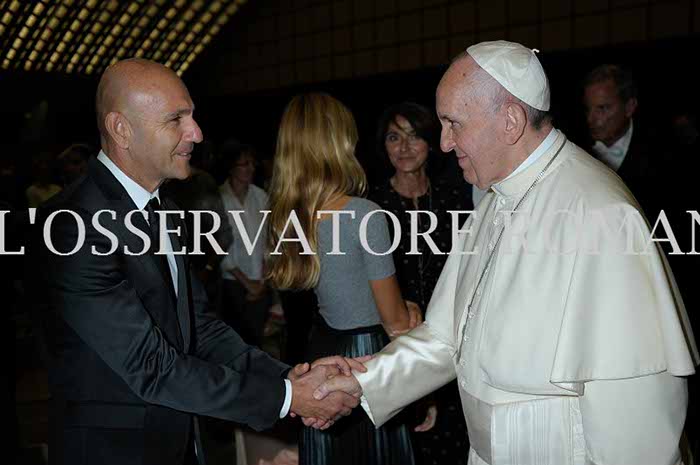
(368, 411)
(287, 398)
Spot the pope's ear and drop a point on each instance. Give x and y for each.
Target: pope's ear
(118, 128)
(515, 122)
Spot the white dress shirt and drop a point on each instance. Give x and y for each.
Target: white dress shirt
(614, 155)
(251, 264)
(141, 197)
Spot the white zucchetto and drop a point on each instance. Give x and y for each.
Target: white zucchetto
(516, 68)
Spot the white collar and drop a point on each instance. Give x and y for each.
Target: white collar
(619, 147)
(534, 156)
(138, 194)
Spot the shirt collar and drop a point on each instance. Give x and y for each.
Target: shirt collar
(138, 194)
(534, 156)
(619, 147)
(516, 184)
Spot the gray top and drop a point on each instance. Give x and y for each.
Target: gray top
(345, 298)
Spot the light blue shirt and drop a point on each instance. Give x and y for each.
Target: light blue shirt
(141, 197)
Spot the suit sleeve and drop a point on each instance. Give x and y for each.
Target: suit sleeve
(96, 298)
(217, 343)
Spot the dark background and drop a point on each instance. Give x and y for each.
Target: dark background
(42, 112)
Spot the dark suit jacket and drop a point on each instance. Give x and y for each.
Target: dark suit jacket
(130, 364)
(638, 170)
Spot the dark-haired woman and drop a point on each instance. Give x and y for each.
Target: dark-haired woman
(407, 137)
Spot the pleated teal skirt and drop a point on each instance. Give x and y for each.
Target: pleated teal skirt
(353, 440)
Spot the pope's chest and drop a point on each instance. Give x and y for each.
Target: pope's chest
(479, 273)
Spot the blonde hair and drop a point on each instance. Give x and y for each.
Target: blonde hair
(314, 164)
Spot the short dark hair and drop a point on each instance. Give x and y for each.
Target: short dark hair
(622, 78)
(421, 119)
(232, 150)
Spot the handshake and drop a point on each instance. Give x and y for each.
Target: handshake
(325, 390)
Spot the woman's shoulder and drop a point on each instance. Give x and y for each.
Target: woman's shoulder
(361, 204)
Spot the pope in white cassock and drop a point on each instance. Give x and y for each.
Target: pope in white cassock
(569, 340)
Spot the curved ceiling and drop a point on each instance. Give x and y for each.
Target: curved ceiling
(85, 36)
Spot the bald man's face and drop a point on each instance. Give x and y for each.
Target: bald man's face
(163, 129)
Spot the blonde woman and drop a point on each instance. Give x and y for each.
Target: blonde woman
(317, 178)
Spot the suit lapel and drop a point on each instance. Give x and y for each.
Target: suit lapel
(157, 299)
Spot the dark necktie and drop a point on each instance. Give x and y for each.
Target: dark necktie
(152, 207)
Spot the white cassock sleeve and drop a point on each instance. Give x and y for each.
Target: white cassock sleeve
(634, 421)
(417, 363)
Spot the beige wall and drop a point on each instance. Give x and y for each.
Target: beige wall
(289, 42)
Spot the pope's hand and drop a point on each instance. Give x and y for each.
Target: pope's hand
(335, 385)
(346, 384)
(327, 410)
(345, 364)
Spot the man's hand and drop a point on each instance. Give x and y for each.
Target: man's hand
(347, 385)
(298, 371)
(326, 411)
(345, 364)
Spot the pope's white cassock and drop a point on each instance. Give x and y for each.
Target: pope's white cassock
(567, 356)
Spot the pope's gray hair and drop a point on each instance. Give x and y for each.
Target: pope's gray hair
(490, 90)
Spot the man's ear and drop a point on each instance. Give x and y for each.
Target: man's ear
(118, 128)
(630, 107)
(516, 120)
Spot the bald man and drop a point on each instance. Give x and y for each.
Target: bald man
(135, 357)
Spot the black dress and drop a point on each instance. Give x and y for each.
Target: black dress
(354, 440)
(418, 274)
(344, 294)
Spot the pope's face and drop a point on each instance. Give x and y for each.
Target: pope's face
(608, 117)
(164, 131)
(469, 126)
